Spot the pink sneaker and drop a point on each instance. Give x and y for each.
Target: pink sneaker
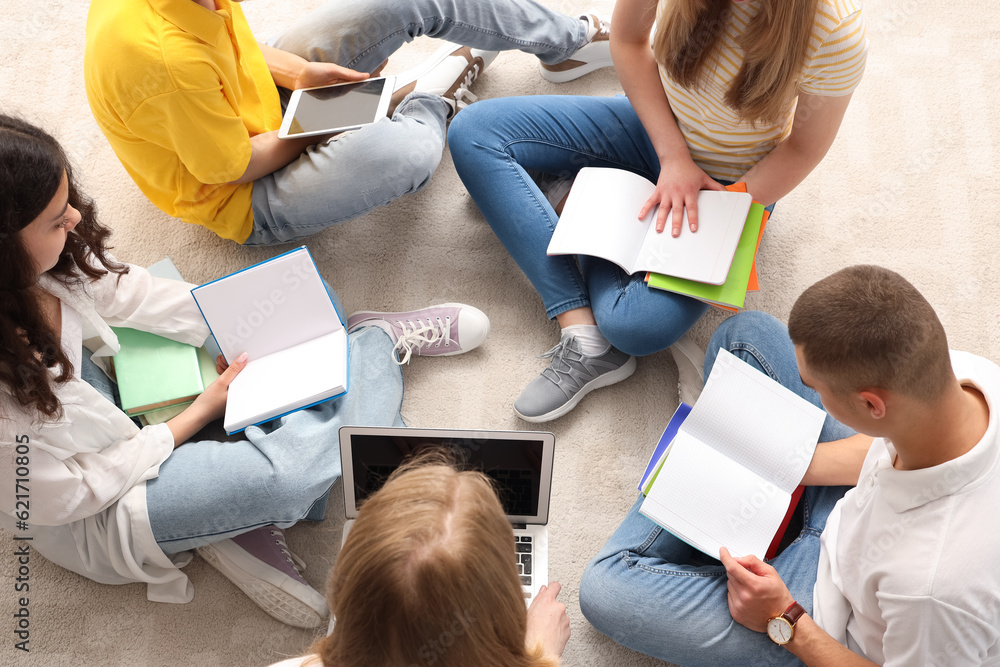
(261, 565)
(435, 331)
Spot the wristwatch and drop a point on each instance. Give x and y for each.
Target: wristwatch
(781, 628)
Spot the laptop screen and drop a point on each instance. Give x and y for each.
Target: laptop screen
(517, 465)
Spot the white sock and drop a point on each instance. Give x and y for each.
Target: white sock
(592, 342)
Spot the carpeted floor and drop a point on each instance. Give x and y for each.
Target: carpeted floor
(911, 183)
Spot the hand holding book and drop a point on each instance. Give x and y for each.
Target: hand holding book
(208, 406)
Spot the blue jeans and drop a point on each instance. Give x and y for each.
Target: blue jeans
(355, 172)
(208, 491)
(655, 594)
(494, 142)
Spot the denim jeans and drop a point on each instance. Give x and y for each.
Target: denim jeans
(208, 491)
(355, 172)
(494, 142)
(655, 594)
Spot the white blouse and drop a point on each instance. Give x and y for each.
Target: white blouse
(88, 468)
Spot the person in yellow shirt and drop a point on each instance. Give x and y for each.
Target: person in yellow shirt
(191, 103)
(730, 91)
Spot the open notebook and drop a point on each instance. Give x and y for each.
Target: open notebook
(728, 477)
(280, 313)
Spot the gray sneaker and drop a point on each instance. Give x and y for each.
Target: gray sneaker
(571, 375)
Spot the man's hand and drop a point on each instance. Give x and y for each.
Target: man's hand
(756, 591)
(313, 75)
(548, 623)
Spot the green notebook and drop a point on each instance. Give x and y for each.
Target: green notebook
(733, 292)
(154, 372)
(208, 376)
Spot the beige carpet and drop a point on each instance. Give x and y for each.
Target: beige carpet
(911, 183)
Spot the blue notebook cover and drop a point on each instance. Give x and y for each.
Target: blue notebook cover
(680, 414)
(292, 285)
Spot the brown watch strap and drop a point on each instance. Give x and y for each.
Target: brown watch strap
(794, 613)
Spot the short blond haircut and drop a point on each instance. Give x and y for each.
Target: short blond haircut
(867, 327)
(427, 576)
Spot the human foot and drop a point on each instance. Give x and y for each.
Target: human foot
(570, 376)
(441, 331)
(261, 565)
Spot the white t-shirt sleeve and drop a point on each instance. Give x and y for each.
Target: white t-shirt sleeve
(926, 631)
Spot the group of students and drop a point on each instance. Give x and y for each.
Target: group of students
(892, 571)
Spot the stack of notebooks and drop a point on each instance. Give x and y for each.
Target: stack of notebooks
(158, 377)
(279, 312)
(715, 265)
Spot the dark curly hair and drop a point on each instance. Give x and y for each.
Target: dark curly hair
(32, 165)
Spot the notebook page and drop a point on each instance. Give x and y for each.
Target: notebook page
(278, 383)
(709, 501)
(601, 217)
(268, 307)
(707, 254)
(755, 421)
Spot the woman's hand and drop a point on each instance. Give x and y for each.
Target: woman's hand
(548, 624)
(211, 403)
(313, 75)
(676, 188)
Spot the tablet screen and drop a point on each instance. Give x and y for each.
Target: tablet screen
(335, 107)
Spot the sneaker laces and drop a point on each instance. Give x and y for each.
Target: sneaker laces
(420, 335)
(463, 96)
(295, 561)
(560, 364)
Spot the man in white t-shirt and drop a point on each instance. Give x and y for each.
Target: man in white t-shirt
(904, 572)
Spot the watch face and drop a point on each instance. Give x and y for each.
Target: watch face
(779, 630)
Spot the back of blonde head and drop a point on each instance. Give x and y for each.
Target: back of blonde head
(427, 576)
(774, 45)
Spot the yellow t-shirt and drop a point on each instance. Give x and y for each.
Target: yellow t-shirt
(178, 91)
(723, 145)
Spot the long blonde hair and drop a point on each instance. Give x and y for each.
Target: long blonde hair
(427, 576)
(774, 45)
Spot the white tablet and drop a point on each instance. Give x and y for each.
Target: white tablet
(337, 108)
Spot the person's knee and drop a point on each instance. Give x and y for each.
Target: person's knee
(595, 602)
(469, 131)
(415, 164)
(746, 327)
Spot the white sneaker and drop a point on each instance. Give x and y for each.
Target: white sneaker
(448, 73)
(435, 331)
(690, 362)
(261, 565)
(593, 55)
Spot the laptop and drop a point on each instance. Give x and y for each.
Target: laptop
(519, 463)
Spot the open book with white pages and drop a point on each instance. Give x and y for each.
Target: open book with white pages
(280, 313)
(600, 218)
(727, 478)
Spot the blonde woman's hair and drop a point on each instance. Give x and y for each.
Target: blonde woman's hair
(774, 44)
(427, 577)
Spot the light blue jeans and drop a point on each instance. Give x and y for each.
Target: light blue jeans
(494, 142)
(655, 594)
(208, 491)
(358, 171)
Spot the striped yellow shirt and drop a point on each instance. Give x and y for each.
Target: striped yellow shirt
(723, 145)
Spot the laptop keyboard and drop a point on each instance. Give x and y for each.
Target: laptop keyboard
(522, 556)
